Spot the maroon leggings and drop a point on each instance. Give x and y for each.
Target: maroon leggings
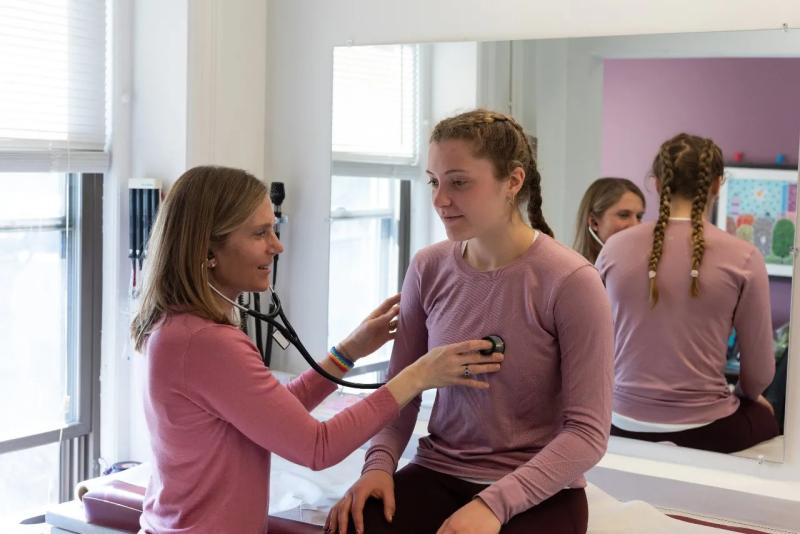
(424, 499)
(749, 425)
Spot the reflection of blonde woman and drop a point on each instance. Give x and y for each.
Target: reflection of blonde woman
(512, 458)
(609, 205)
(677, 288)
(213, 410)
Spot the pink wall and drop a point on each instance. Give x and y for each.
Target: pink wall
(750, 105)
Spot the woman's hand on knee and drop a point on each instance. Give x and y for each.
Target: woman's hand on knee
(375, 483)
(472, 518)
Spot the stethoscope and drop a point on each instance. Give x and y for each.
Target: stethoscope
(286, 330)
(595, 236)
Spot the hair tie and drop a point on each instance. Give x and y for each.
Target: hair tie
(694, 273)
(651, 274)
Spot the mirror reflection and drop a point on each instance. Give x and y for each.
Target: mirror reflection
(598, 113)
(670, 333)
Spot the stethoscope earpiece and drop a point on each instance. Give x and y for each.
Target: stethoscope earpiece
(498, 345)
(595, 236)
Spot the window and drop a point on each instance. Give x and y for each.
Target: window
(375, 103)
(52, 156)
(365, 254)
(35, 249)
(376, 135)
(49, 323)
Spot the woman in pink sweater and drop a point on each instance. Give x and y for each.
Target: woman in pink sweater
(510, 459)
(677, 288)
(214, 412)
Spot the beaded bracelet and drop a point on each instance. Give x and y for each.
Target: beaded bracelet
(342, 362)
(339, 365)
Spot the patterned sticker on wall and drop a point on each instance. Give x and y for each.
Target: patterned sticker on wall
(760, 206)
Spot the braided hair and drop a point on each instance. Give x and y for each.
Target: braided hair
(686, 165)
(501, 139)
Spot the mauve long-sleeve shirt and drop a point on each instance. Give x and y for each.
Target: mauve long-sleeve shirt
(215, 414)
(670, 359)
(545, 420)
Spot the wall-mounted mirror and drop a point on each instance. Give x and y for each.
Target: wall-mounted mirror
(595, 107)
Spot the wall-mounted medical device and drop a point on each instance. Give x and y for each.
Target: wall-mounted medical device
(144, 197)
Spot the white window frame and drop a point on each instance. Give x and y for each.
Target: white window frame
(408, 170)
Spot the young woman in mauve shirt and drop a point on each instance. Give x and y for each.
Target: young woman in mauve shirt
(509, 459)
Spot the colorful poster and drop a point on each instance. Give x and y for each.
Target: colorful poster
(760, 206)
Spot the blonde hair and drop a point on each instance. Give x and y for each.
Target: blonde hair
(203, 207)
(685, 166)
(500, 139)
(601, 195)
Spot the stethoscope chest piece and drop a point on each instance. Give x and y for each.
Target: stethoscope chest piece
(498, 345)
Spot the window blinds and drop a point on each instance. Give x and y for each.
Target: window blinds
(375, 93)
(53, 85)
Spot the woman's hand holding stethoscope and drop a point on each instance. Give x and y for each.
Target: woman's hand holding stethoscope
(457, 365)
(448, 365)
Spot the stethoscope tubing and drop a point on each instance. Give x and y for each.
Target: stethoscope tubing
(291, 336)
(288, 332)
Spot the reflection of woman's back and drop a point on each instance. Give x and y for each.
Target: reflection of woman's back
(670, 359)
(672, 333)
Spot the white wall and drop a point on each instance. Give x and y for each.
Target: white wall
(226, 84)
(149, 140)
(301, 34)
(114, 384)
(190, 89)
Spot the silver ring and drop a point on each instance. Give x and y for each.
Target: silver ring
(467, 373)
